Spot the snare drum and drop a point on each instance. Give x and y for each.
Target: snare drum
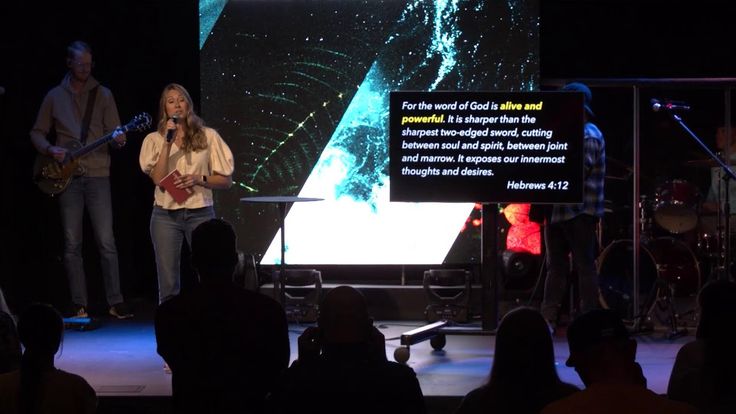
(676, 206)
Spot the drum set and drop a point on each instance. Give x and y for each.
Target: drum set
(676, 250)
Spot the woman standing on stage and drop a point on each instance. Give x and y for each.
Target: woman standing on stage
(202, 161)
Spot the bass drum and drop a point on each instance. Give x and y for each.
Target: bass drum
(665, 258)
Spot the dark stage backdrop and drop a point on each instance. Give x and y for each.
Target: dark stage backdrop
(140, 45)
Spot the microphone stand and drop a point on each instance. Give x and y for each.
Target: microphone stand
(728, 175)
(662, 292)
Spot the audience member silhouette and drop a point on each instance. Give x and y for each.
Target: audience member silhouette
(38, 387)
(704, 373)
(342, 365)
(604, 356)
(226, 346)
(10, 350)
(523, 378)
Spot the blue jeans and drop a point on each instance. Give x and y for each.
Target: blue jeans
(576, 237)
(92, 194)
(169, 229)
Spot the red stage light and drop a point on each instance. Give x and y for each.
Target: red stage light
(523, 235)
(517, 213)
(524, 238)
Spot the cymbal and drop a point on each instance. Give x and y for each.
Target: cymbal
(617, 170)
(702, 163)
(628, 178)
(619, 163)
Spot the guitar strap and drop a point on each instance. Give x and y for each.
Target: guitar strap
(88, 114)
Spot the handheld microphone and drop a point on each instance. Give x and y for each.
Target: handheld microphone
(668, 105)
(170, 133)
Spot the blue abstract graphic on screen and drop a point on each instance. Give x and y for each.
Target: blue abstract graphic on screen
(299, 90)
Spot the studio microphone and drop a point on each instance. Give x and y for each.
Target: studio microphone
(668, 105)
(171, 132)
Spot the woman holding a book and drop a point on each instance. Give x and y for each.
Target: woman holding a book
(186, 161)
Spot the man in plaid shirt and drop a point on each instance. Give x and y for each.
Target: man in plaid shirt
(571, 228)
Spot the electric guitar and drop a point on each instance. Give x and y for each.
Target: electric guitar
(52, 176)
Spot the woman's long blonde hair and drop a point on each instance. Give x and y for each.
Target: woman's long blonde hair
(194, 137)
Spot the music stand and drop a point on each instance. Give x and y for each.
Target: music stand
(282, 201)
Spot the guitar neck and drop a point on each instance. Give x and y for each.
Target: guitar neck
(93, 146)
(139, 122)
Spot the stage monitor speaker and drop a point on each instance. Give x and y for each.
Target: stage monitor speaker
(520, 270)
(448, 294)
(302, 293)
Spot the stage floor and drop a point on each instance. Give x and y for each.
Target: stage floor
(119, 359)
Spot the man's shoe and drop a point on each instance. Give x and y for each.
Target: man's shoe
(79, 311)
(121, 311)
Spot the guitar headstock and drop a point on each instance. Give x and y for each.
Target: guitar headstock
(138, 123)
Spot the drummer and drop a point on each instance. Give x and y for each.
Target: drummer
(712, 209)
(717, 190)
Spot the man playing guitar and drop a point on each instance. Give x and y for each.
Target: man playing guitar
(77, 109)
